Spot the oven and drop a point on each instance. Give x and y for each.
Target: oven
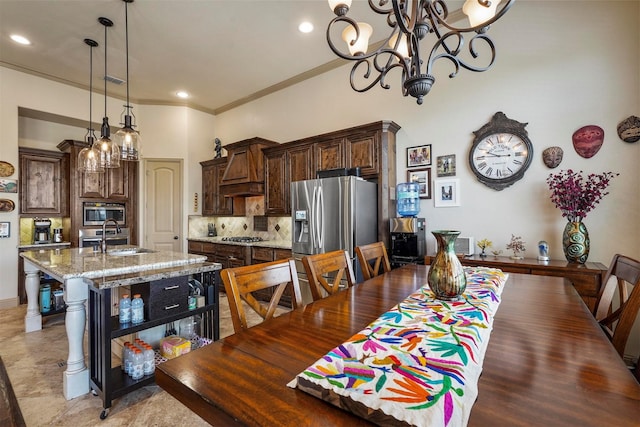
(95, 213)
(93, 236)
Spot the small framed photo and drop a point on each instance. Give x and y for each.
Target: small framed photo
(423, 178)
(8, 185)
(446, 192)
(446, 165)
(5, 229)
(419, 156)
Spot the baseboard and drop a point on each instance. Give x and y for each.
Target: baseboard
(9, 303)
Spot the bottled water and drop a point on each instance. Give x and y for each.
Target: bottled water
(128, 358)
(137, 367)
(137, 309)
(408, 199)
(124, 309)
(125, 348)
(149, 360)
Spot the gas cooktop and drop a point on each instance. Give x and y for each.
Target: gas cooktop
(242, 239)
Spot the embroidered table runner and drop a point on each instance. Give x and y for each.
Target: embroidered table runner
(417, 364)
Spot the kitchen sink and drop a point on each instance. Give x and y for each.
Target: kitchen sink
(130, 251)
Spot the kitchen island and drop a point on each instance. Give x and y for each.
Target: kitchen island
(83, 269)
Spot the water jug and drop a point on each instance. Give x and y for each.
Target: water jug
(408, 199)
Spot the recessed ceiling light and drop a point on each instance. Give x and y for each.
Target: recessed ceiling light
(182, 94)
(20, 39)
(305, 27)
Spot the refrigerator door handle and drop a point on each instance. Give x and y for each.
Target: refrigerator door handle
(320, 210)
(313, 218)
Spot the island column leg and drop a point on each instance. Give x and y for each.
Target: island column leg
(33, 318)
(76, 376)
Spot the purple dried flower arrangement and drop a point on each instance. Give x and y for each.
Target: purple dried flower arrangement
(576, 195)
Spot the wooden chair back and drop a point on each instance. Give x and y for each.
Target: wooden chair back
(373, 259)
(326, 272)
(622, 271)
(241, 282)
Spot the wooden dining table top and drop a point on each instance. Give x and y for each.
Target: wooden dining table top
(547, 362)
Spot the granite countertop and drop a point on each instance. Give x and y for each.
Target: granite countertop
(66, 264)
(278, 244)
(44, 245)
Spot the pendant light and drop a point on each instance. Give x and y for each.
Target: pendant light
(89, 157)
(109, 152)
(127, 138)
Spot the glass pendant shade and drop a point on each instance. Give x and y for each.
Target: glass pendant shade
(129, 141)
(89, 157)
(109, 152)
(479, 13)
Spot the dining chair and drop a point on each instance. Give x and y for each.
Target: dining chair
(617, 322)
(326, 272)
(373, 259)
(240, 282)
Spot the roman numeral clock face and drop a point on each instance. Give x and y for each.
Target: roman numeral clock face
(500, 154)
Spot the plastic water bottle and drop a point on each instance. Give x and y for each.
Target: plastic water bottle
(408, 199)
(124, 309)
(137, 309)
(137, 368)
(149, 360)
(128, 358)
(125, 348)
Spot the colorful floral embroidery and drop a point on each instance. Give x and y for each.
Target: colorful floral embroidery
(420, 361)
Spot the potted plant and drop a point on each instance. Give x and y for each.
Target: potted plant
(483, 244)
(576, 195)
(517, 246)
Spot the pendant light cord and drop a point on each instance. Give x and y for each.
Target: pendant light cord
(126, 38)
(91, 95)
(105, 71)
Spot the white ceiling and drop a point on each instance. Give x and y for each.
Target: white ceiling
(220, 51)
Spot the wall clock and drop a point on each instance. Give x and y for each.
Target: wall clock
(501, 152)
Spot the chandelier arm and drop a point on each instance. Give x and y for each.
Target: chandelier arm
(454, 57)
(379, 78)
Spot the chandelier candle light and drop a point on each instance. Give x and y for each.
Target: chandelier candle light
(128, 139)
(89, 157)
(411, 22)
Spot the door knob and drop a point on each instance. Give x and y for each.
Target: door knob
(175, 237)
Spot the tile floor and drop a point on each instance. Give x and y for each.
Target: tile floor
(35, 363)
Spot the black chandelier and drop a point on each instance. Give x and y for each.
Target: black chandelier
(411, 21)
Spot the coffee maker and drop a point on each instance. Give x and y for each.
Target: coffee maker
(41, 230)
(408, 241)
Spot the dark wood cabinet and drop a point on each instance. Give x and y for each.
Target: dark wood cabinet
(116, 185)
(261, 254)
(44, 182)
(214, 203)
(371, 147)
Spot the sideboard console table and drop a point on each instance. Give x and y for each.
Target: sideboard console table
(586, 278)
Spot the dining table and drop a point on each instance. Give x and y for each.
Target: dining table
(547, 361)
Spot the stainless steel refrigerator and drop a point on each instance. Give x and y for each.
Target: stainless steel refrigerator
(330, 214)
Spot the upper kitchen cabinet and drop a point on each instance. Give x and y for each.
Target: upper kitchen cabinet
(244, 174)
(371, 147)
(330, 154)
(44, 182)
(214, 203)
(114, 184)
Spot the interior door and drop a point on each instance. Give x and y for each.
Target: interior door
(163, 205)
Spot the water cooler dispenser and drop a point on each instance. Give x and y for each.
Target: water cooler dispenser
(408, 240)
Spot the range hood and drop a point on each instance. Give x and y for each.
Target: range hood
(244, 175)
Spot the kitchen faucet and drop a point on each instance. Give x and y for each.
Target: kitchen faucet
(103, 242)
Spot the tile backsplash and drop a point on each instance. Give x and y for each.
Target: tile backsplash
(278, 228)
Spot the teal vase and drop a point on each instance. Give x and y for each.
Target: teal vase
(575, 242)
(446, 275)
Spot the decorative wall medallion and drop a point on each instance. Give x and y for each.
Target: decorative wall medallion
(552, 156)
(6, 169)
(587, 140)
(629, 129)
(7, 205)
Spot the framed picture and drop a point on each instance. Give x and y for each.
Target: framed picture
(446, 165)
(5, 229)
(419, 156)
(446, 192)
(423, 178)
(8, 185)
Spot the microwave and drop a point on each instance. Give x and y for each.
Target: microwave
(95, 213)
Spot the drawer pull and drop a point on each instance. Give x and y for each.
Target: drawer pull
(171, 307)
(168, 288)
